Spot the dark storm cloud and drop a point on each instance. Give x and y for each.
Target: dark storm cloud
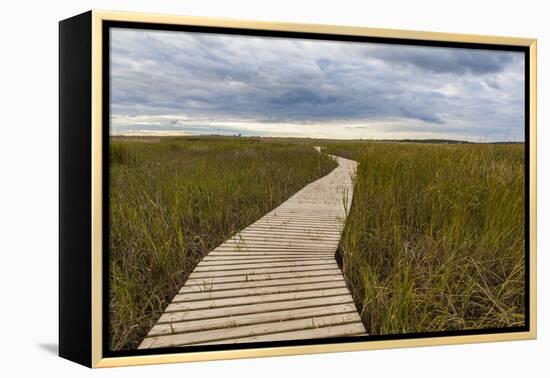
(456, 61)
(225, 82)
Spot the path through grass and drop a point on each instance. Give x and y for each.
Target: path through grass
(175, 199)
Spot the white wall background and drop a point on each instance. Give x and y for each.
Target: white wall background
(28, 185)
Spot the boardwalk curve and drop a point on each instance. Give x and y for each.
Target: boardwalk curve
(277, 279)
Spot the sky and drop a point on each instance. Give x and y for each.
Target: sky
(173, 83)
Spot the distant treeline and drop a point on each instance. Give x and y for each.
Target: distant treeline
(290, 139)
(441, 141)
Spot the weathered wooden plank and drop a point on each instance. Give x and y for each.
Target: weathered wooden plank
(227, 258)
(297, 228)
(233, 260)
(321, 219)
(261, 255)
(241, 292)
(243, 249)
(197, 288)
(270, 235)
(253, 299)
(353, 329)
(312, 233)
(280, 244)
(261, 277)
(281, 249)
(239, 320)
(170, 317)
(299, 237)
(324, 223)
(290, 230)
(247, 330)
(328, 220)
(208, 266)
(298, 225)
(252, 271)
(288, 243)
(302, 211)
(266, 249)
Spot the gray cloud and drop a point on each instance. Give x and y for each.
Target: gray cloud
(457, 61)
(203, 83)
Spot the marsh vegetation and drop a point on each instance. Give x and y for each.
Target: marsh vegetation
(173, 200)
(434, 240)
(435, 237)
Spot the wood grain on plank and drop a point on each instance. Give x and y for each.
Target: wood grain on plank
(310, 323)
(238, 320)
(223, 312)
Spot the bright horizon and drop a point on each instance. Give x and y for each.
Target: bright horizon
(182, 83)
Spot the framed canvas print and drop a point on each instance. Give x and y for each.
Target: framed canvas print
(235, 189)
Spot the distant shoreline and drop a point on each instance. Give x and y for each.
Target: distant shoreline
(219, 136)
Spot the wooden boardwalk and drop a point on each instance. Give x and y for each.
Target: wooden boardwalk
(275, 280)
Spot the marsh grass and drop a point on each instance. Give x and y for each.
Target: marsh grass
(435, 237)
(173, 201)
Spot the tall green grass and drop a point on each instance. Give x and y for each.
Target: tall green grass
(173, 201)
(435, 236)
